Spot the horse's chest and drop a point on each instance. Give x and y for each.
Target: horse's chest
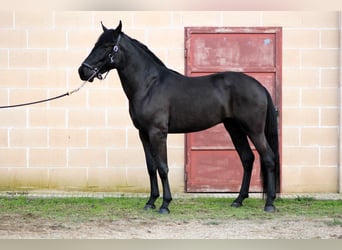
(135, 117)
(147, 116)
(139, 118)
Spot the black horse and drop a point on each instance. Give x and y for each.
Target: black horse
(162, 101)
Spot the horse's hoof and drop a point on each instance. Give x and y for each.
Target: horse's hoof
(270, 209)
(164, 211)
(149, 207)
(236, 204)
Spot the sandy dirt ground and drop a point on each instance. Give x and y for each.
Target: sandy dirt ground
(30, 227)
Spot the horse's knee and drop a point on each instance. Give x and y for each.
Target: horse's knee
(163, 172)
(247, 161)
(152, 172)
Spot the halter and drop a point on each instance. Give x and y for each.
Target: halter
(96, 71)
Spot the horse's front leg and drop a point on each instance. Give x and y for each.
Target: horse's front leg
(159, 153)
(152, 171)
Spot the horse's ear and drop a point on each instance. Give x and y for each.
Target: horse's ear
(118, 29)
(103, 27)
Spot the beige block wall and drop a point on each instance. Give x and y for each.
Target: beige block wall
(87, 142)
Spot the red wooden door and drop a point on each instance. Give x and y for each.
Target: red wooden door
(212, 164)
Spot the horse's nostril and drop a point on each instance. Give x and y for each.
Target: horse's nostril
(82, 72)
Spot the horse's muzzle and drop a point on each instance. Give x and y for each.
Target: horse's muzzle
(86, 74)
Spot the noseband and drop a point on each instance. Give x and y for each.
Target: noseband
(96, 70)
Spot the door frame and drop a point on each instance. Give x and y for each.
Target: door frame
(188, 31)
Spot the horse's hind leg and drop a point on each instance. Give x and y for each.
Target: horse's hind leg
(246, 155)
(267, 159)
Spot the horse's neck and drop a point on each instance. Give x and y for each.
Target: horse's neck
(138, 73)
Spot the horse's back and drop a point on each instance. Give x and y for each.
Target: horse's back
(225, 88)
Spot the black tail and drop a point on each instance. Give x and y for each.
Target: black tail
(271, 133)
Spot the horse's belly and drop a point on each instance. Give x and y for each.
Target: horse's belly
(189, 129)
(197, 114)
(193, 122)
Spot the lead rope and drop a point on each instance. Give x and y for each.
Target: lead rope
(52, 98)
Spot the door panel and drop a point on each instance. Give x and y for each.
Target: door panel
(239, 50)
(214, 171)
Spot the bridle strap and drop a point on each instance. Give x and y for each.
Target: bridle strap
(111, 57)
(116, 46)
(89, 66)
(115, 49)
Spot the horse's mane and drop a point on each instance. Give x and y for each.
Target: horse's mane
(146, 49)
(149, 52)
(107, 36)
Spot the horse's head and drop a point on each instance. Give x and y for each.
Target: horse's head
(104, 56)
